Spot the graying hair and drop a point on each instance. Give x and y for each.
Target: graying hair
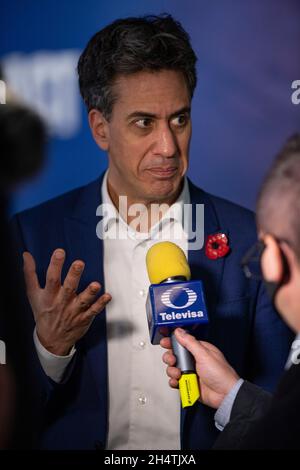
(130, 45)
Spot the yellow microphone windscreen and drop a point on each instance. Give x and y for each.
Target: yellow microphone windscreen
(164, 260)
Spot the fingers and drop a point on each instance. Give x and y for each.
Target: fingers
(31, 279)
(166, 343)
(72, 280)
(87, 297)
(97, 307)
(173, 383)
(210, 347)
(169, 358)
(189, 342)
(164, 331)
(53, 276)
(174, 373)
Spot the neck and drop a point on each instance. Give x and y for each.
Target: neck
(141, 214)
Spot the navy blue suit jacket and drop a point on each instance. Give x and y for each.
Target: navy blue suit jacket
(242, 322)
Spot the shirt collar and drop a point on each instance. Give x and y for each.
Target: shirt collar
(111, 212)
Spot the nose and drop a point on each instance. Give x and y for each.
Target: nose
(166, 144)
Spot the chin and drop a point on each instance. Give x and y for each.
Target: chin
(164, 189)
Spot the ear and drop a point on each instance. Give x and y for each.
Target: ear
(100, 129)
(271, 262)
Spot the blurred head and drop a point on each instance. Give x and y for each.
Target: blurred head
(278, 221)
(137, 77)
(23, 144)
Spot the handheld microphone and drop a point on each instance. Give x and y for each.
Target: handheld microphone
(175, 301)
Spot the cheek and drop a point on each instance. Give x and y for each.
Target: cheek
(138, 155)
(184, 153)
(123, 151)
(184, 143)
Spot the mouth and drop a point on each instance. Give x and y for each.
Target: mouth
(163, 173)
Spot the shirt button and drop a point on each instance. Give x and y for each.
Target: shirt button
(142, 344)
(142, 292)
(142, 400)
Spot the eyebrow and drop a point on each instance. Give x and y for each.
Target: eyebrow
(185, 109)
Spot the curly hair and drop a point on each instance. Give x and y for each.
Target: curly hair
(131, 45)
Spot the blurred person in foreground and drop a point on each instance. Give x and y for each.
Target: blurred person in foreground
(23, 142)
(137, 77)
(249, 417)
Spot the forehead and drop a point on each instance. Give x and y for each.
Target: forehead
(161, 92)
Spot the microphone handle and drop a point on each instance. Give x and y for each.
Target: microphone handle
(184, 359)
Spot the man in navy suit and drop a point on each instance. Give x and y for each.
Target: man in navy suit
(101, 381)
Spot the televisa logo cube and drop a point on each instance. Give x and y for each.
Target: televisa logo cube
(176, 304)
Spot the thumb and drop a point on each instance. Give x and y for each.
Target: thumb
(189, 342)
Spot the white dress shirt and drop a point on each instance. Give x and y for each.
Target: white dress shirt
(144, 412)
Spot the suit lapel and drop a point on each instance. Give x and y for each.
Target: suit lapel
(210, 272)
(83, 243)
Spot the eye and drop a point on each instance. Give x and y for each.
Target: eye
(143, 123)
(181, 120)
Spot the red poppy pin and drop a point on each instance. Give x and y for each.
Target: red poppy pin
(216, 246)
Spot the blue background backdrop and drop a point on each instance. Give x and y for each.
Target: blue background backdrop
(248, 56)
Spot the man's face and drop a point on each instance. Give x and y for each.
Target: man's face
(148, 135)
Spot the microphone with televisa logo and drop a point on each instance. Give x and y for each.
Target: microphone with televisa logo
(175, 301)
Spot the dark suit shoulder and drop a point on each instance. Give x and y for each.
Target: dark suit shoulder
(234, 219)
(223, 206)
(52, 205)
(63, 205)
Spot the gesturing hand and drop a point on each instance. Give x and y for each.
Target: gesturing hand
(62, 317)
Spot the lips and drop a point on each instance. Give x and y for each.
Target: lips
(163, 172)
